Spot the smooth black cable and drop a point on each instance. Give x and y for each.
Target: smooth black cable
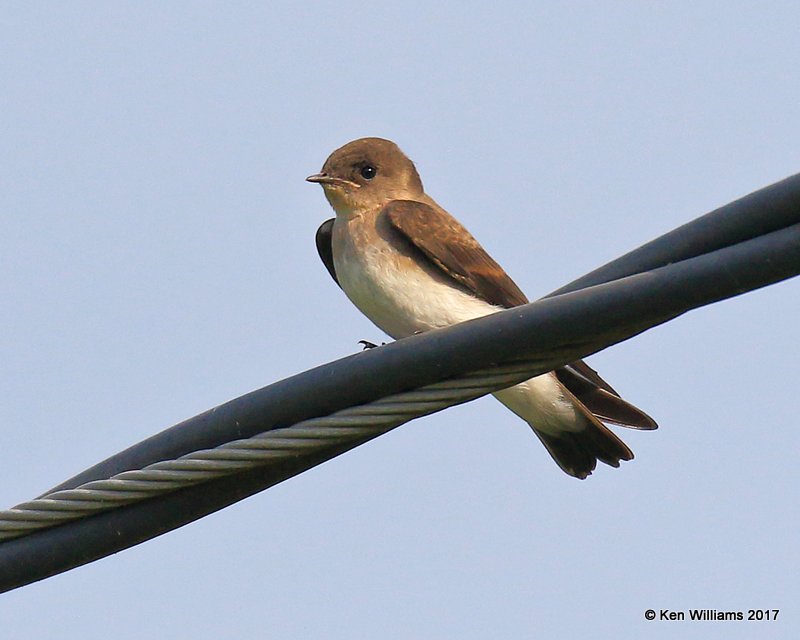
(556, 329)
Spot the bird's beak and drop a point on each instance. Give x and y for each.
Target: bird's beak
(319, 177)
(324, 178)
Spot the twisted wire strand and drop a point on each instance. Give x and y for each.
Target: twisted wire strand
(312, 435)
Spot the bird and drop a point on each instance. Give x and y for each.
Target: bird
(410, 267)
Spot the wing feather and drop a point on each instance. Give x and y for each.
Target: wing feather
(324, 239)
(449, 246)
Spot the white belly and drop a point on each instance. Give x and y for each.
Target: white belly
(399, 296)
(402, 298)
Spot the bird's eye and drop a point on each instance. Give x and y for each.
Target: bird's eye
(368, 172)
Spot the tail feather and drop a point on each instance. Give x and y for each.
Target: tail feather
(577, 452)
(571, 430)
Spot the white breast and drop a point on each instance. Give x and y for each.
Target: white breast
(393, 290)
(402, 296)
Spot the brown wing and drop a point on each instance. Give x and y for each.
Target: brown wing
(449, 246)
(583, 370)
(598, 396)
(325, 247)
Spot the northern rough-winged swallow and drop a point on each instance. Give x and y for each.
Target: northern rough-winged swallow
(409, 266)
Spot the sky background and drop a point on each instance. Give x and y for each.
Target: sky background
(157, 258)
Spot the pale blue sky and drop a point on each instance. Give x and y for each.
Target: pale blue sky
(157, 252)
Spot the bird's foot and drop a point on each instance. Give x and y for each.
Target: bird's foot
(369, 345)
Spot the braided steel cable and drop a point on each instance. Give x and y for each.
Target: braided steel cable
(348, 425)
(743, 246)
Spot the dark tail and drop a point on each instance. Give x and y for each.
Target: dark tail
(577, 452)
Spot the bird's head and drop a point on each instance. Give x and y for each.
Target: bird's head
(366, 174)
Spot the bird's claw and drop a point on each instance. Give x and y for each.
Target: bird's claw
(369, 345)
